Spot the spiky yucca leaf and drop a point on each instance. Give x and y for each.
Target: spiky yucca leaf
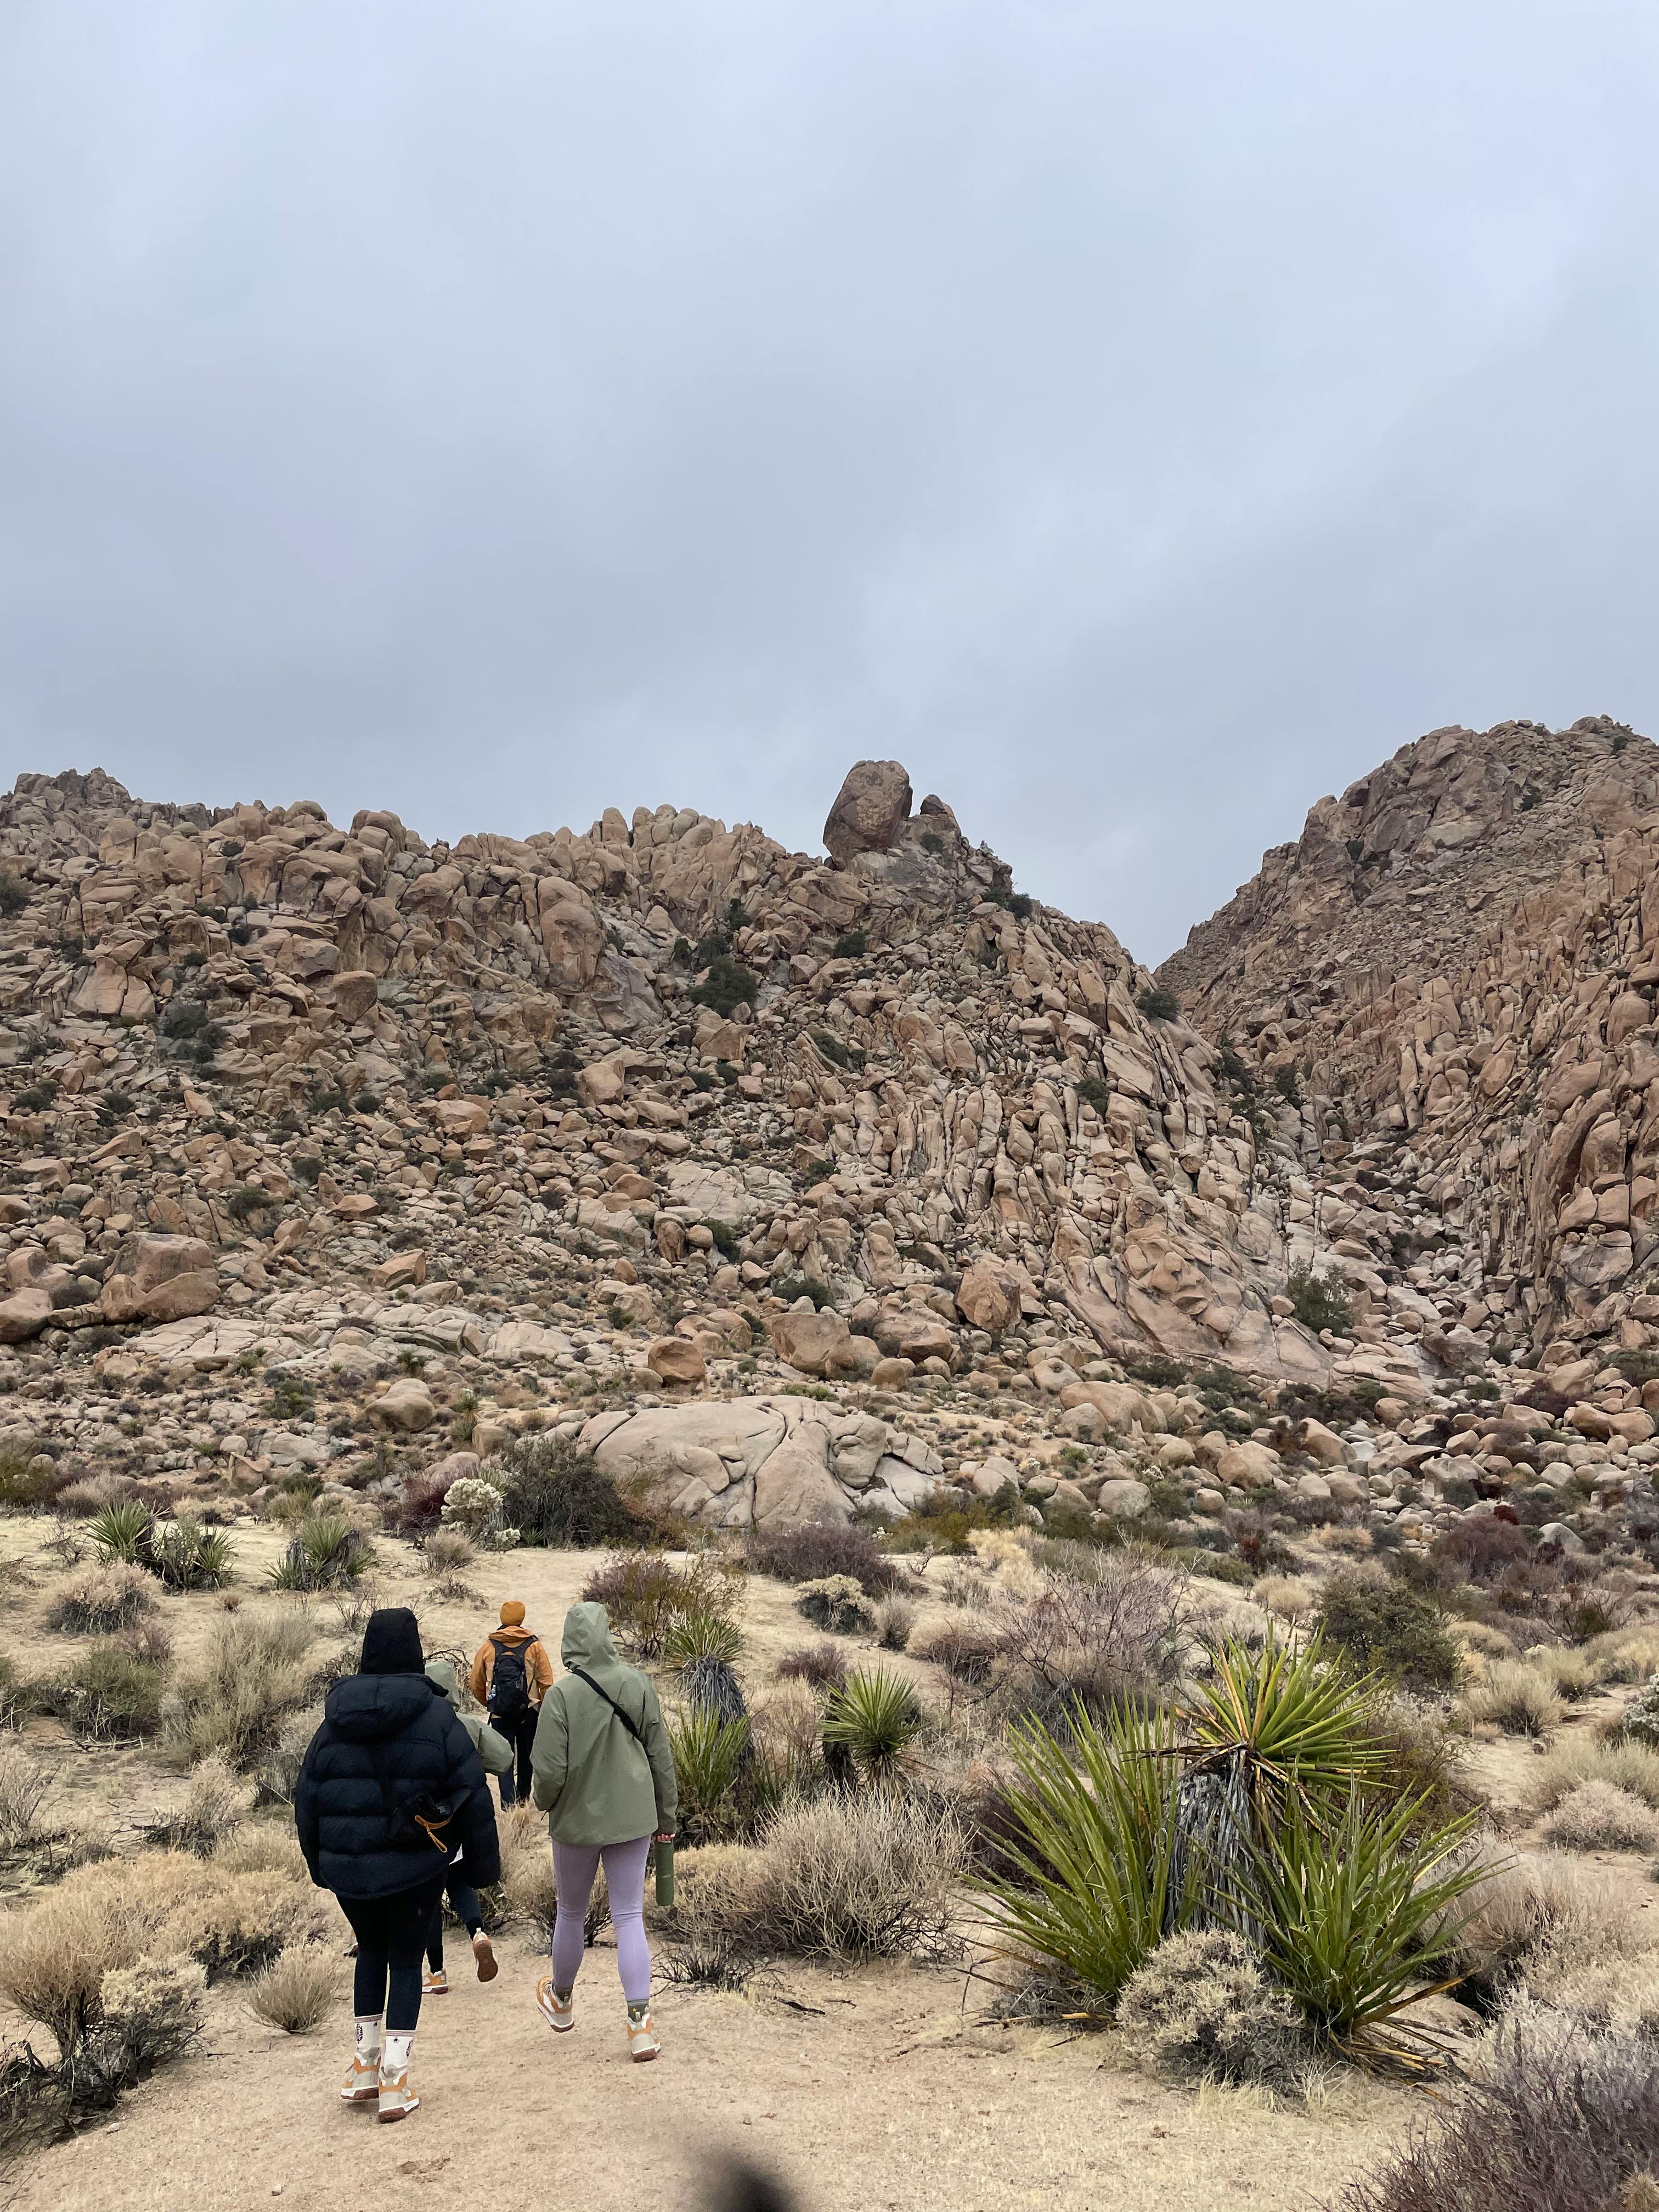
(708, 1754)
(702, 1633)
(124, 1531)
(876, 1716)
(1351, 1916)
(1094, 1837)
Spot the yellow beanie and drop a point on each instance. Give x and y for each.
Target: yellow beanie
(512, 1613)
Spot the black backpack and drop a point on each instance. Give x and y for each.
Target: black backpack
(509, 1685)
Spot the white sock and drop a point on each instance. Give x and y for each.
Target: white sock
(368, 2035)
(399, 2045)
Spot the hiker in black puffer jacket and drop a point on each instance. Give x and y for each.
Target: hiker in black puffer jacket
(391, 1787)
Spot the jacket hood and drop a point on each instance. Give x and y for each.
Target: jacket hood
(514, 1635)
(370, 1708)
(391, 1642)
(441, 1675)
(586, 1641)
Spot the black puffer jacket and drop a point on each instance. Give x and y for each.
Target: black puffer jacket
(408, 1724)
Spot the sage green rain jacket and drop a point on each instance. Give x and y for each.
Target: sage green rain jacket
(594, 1781)
(493, 1748)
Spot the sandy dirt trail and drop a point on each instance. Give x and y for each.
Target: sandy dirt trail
(885, 2096)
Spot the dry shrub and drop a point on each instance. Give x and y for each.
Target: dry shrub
(297, 1990)
(99, 1600)
(1625, 1655)
(55, 1953)
(823, 1665)
(255, 1674)
(1537, 1921)
(148, 1642)
(895, 1618)
(527, 1889)
(843, 1878)
(1478, 1638)
(1630, 1766)
(1288, 1595)
(1515, 1697)
(1619, 1994)
(279, 1769)
(810, 1551)
(262, 1847)
(1201, 2007)
(1565, 1668)
(149, 2013)
(1563, 2117)
(645, 1595)
(1115, 1637)
(784, 1729)
(1597, 1816)
(216, 1800)
(23, 1786)
(966, 1646)
(105, 1694)
(836, 1603)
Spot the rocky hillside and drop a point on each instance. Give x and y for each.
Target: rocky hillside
(1451, 974)
(804, 1186)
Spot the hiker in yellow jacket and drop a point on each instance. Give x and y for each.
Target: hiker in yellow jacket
(509, 1677)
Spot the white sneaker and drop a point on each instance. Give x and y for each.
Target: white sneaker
(396, 2101)
(362, 2083)
(643, 2041)
(560, 2018)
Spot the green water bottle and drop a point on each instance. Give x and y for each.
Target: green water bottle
(664, 1848)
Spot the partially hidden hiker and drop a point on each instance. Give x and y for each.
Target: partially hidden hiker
(511, 1676)
(496, 1755)
(391, 1785)
(604, 1774)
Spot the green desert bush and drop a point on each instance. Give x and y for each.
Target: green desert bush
(1381, 1624)
(554, 1494)
(645, 1595)
(808, 1551)
(1320, 1302)
(1641, 1721)
(106, 1693)
(1201, 2007)
(123, 1531)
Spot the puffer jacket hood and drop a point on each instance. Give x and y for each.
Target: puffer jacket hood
(373, 1708)
(586, 1641)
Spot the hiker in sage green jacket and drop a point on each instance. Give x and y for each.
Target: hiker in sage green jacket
(603, 1770)
(496, 1753)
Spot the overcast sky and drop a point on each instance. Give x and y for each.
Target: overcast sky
(1140, 419)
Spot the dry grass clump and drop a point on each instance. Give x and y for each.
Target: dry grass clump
(1113, 1632)
(823, 1665)
(965, 1644)
(1625, 1655)
(895, 1618)
(106, 1693)
(1517, 1698)
(1537, 1922)
(216, 1800)
(1597, 1816)
(100, 1600)
(1565, 2120)
(279, 1769)
(527, 1889)
(1006, 1553)
(255, 1673)
(55, 1952)
(1630, 1766)
(23, 1786)
(865, 1877)
(1288, 1595)
(1201, 2007)
(297, 1990)
(262, 1847)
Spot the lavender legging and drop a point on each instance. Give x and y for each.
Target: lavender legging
(574, 1866)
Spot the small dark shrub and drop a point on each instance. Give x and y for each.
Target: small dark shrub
(852, 946)
(1288, 1085)
(14, 893)
(822, 1665)
(727, 986)
(1320, 1301)
(645, 1595)
(107, 1692)
(246, 1200)
(182, 1018)
(1158, 1003)
(814, 1550)
(964, 1646)
(1385, 1625)
(552, 1492)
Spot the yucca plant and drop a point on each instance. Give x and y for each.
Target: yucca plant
(325, 1552)
(1268, 1730)
(124, 1531)
(1353, 1915)
(708, 1757)
(188, 1557)
(874, 1716)
(702, 1633)
(1092, 1836)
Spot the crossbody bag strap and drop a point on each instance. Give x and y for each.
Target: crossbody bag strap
(630, 1725)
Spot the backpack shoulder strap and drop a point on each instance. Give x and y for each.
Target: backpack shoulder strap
(629, 1723)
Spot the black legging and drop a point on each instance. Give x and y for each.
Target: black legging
(464, 1899)
(391, 1933)
(519, 1730)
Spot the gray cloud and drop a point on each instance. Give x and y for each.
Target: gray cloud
(1138, 419)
